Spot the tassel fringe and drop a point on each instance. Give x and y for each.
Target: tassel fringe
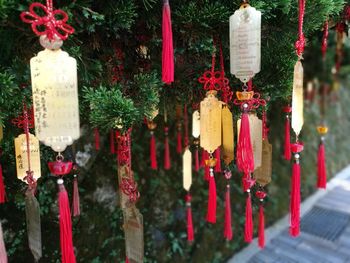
(190, 232)
(168, 50)
(248, 227)
(321, 167)
(211, 213)
(261, 230)
(228, 225)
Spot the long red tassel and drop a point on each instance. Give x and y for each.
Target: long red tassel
(295, 201)
(321, 167)
(190, 232)
(179, 142)
(248, 227)
(211, 213)
(66, 237)
(245, 157)
(76, 199)
(97, 139)
(3, 254)
(228, 224)
(261, 230)
(167, 164)
(127, 260)
(2, 188)
(218, 163)
(168, 50)
(196, 160)
(153, 152)
(111, 141)
(287, 150)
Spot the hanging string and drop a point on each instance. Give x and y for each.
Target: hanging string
(325, 40)
(300, 43)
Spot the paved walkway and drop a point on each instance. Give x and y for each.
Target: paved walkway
(325, 230)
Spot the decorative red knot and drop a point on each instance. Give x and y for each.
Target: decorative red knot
(129, 187)
(213, 80)
(253, 103)
(260, 194)
(52, 24)
(300, 45)
(297, 147)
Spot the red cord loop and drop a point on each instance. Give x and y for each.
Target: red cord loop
(52, 24)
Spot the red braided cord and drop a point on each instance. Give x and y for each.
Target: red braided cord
(324, 40)
(300, 43)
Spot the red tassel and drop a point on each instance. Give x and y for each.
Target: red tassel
(287, 147)
(167, 163)
(211, 213)
(228, 224)
(218, 162)
(202, 164)
(127, 260)
(179, 142)
(287, 150)
(111, 138)
(245, 157)
(97, 139)
(190, 232)
(3, 254)
(321, 167)
(168, 50)
(248, 227)
(261, 230)
(2, 188)
(295, 201)
(153, 152)
(76, 199)
(196, 161)
(66, 238)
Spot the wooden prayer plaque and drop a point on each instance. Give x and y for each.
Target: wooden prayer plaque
(210, 122)
(133, 227)
(264, 172)
(227, 135)
(187, 169)
(196, 125)
(55, 98)
(22, 157)
(297, 98)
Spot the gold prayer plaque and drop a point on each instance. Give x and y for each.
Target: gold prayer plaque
(297, 98)
(263, 173)
(22, 157)
(227, 135)
(210, 122)
(255, 125)
(187, 169)
(55, 98)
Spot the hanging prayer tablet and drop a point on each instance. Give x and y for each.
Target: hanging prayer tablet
(227, 135)
(297, 99)
(245, 38)
(256, 137)
(55, 98)
(187, 169)
(196, 126)
(133, 227)
(210, 122)
(264, 172)
(22, 163)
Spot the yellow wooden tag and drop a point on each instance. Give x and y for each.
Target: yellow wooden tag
(22, 159)
(55, 98)
(227, 135)
(187, 169)
(196, 125)
(264, 172)
(210, 122)
(255, 125)
(297, 99)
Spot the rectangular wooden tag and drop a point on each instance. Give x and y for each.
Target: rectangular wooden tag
(264, 172)
(227, 135)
